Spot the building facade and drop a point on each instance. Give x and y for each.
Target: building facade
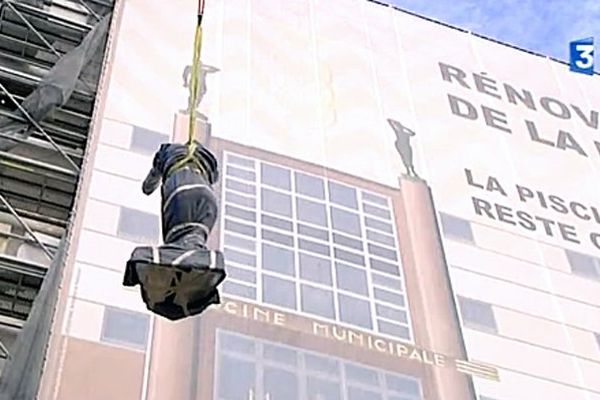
(348, 278)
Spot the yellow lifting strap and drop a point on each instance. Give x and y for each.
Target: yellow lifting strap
(194, 91)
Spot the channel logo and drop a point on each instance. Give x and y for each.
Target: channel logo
(581, 56)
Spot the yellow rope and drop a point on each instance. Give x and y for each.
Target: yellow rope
(194, 92)
(195, 83)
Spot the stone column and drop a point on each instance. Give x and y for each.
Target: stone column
(437, 327)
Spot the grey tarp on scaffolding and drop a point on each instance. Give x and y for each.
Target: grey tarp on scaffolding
(55, 88)
(23, 370)
(22, 373)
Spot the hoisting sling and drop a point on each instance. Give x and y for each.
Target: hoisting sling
(194, 90)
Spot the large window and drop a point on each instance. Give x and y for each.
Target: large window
(477, 314)
(312, 245)
(584, 265)
(138, 226)
(248, 368)
(146, 141)
(126, 328)
(456, 228)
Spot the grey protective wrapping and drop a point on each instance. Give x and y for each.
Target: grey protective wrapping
(56, 87)
(22, 373)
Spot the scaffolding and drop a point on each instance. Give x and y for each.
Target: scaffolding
(39, 177)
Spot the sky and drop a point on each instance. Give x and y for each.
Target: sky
(541, 26)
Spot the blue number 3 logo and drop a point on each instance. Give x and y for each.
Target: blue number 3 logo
(582, 56)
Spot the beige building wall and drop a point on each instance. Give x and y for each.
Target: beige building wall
(322, 100)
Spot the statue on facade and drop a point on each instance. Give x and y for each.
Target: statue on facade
(403, 146)
(203, 71)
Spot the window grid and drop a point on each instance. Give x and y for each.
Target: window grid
(397, 284)
(258, 285)
(332, 263)
(298, 284)
(370, 287)
(302, 371)
(402, 288)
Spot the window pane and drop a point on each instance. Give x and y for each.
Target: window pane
(358, 374)
(240, 213)
(146, 141)
(393, 329)
(275, 176)
(241, 274)
(389, 297)
(349, 256)
(383, 252)
(242, 161)
(241, 173)
(276, 203)
(278, 238)
(278, 259)
(235, 343)
(387, 281)
(362, 394)
(348, 242)
(125, 327)
(317, 301)
(582, 265)
(381, 238)
(280, 292)
(323, 365)
(345, 221)
(138, 226)
(355, 311)
(383, 266)
(310, 186)
(313, 232)
(279, 354)
(238, 227)
(239, 257)
(456, 227)
(310, 211)
(240, 200)
(315, 269)
(373, 198)
(313, 247)
(237, 289)
(403, 385)
(235, 241)
(280, 384)
(236, 378)
(276, 222)
(351, 279)
(376, 211)
(322, 389)
(378, 225)
(342, 194)
(239, 186)
(391, 313)
(477, 314)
